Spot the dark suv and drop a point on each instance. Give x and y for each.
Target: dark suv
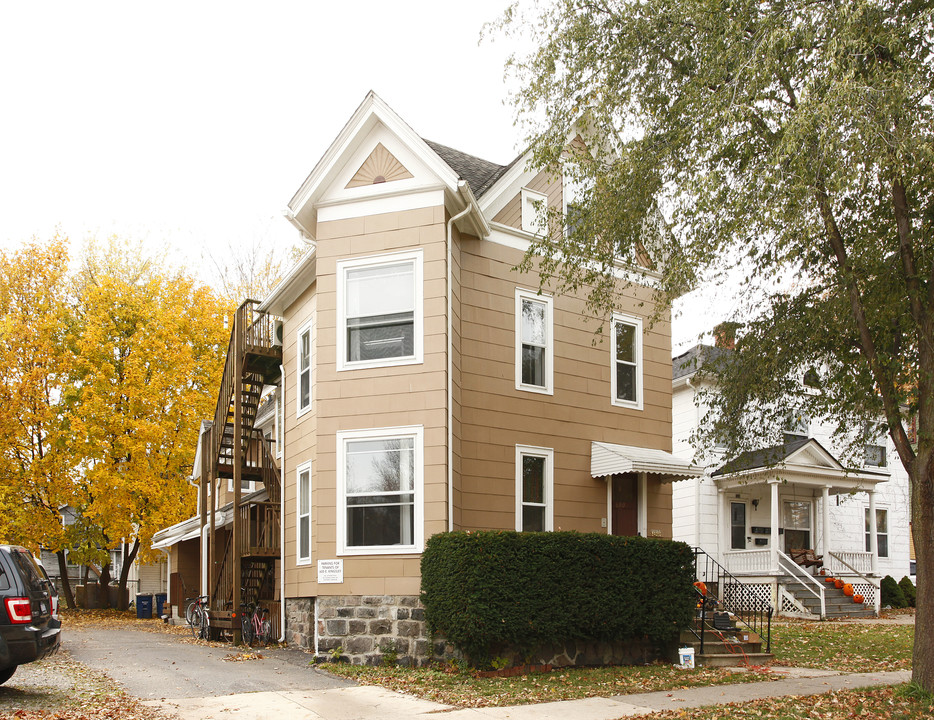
(27, 629)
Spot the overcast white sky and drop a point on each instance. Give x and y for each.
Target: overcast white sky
(191, 124)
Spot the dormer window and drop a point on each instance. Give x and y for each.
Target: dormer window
(796, 427)
(534, 208)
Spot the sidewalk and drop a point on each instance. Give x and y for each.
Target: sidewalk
(376, 703)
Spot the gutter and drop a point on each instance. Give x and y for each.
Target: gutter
(464, 189)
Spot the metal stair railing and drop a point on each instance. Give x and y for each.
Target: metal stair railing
(796, 571)
(734, 596)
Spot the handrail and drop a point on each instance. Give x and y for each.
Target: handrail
(795, 568)
(735, 596)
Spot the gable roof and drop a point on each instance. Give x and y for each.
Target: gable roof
(480, 173)
(691, 361)
(762, 458)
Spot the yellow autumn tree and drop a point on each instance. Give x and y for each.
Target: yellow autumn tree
(36, 466)
(148, 357)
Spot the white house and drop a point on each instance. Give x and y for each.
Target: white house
(749, 514)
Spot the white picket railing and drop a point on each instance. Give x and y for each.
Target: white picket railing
(841, 562)
(748, 561)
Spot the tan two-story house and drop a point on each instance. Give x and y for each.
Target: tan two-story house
(426, 385)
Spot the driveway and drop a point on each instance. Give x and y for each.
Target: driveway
(154, 666)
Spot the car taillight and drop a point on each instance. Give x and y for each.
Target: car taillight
(19, 610)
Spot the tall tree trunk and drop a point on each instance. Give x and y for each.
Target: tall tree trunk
(66, 581)
(125, 574)
(103, 586)
(922, 528)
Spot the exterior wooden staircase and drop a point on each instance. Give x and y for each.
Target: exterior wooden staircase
(836, 603)
(732, 623)
(243, 564)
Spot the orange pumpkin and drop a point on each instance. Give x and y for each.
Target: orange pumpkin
(829, 579)
(838, 583)
(848, 589)
(858, 599)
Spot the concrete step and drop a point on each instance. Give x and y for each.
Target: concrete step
(732, 659)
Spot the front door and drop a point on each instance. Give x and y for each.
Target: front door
(737, 526)
(797, 522)
(625, 505)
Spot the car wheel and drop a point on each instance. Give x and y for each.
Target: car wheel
(6, 674)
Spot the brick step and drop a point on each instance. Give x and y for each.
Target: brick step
(732, 660)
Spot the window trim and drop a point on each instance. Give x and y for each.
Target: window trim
(417, 358)
(250, 485)
(301, 410)
(532, 222)
(299, 559)
(548, 302)
(867, 532)
(417, 433)
(549, 455)
(636, 322)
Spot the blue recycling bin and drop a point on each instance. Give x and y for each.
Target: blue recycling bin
(144, 607)
(160, 601)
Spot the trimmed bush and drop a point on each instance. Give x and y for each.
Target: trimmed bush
(493, 591)
(892, 594)
(908, 590)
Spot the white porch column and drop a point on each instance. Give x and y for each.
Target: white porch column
(773, 542)
(873, 539)
(642, 513)
(825, 520)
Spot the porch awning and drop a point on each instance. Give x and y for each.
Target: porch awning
(611, 459)
(185, 530)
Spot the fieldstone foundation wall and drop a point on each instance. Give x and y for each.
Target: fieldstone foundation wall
(300, 622)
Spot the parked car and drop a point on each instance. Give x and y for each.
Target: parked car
(28, 631)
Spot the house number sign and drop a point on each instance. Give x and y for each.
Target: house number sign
(330, 571)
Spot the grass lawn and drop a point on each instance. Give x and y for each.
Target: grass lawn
(847, 647)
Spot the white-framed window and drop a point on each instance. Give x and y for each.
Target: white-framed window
(535, 472)
(882, 531)
(246, 486)
(304, 366)
(874, 456)
(626, 368)
(303, 514)
(534, 209)
(380, 491)
(379, 309)
(797, 426)
(535, 350)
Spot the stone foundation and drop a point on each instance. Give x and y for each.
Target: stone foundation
(376, 629)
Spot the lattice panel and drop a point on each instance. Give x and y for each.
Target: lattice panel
(737, 596)
(868, 591)
(788, 605)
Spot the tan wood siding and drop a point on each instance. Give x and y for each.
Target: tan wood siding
(545, 183)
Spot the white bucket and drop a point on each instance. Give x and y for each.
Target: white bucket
(686, 657)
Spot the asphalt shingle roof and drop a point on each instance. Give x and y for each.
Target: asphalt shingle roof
(479, 173)
(762, 458)
(689, 362)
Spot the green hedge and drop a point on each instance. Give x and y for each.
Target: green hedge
(493, 591)
(908, 590)
(892, 594)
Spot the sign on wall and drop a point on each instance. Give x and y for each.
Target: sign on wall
(330, 571)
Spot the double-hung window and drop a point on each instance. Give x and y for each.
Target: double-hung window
(303, 514)
(626, 370)
(379, 307)
(304, 370)
(534, 342)
(534, 488)
(380, 490)
(882, 532)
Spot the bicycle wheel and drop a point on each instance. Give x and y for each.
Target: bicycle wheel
(190, 612)
(205, 627)
(195, 619)
(247, 628)
(262, 635)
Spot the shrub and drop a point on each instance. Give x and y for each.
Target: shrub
(908, 590)
(493, 591)
(892, 594)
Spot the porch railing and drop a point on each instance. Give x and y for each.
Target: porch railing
(734, 596)
(751, 562)
(859, 563)
(814, 586)
(261, 523)
(838, 562)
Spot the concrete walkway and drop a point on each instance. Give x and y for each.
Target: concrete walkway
(376, 703)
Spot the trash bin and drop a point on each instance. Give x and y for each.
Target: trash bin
(160, 602)
(144, 607)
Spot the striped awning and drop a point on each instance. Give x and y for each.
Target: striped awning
(609, 459)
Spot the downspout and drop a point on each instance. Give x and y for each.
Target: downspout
(450, 354)
(282, 508)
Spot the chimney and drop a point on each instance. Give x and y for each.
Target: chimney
(725, 334)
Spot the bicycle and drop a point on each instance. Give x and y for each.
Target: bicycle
(254, 624)
(197, 616)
